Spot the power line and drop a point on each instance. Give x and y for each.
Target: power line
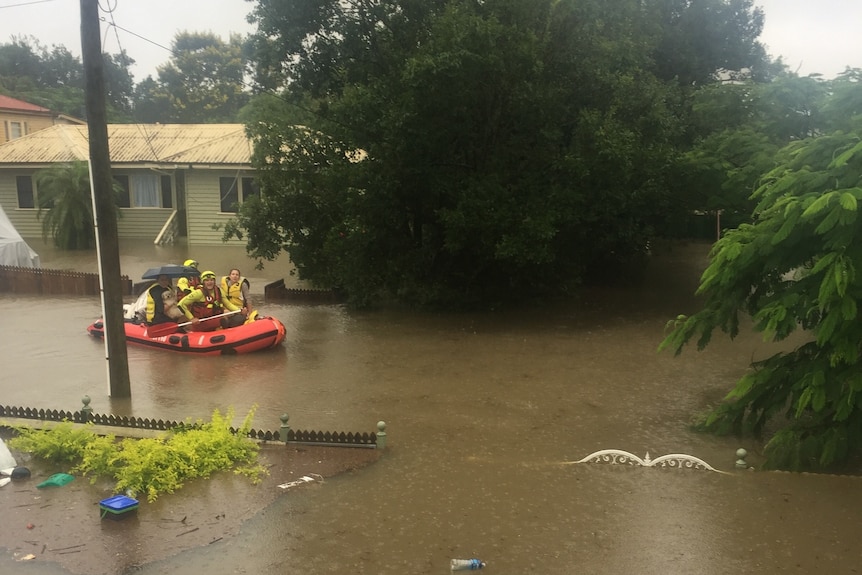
(140, 127)
(252, 87)
(174, 53)
(135, 34)
(26, 3)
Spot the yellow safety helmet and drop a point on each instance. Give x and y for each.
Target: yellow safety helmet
(190, 263)
(207, 275)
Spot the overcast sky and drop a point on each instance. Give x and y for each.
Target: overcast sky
(813, 36)
(144, 28)
(820, 36)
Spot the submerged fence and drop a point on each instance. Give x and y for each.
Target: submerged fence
(43, 281)
(53, 282)
(277, 291)
(284, 434)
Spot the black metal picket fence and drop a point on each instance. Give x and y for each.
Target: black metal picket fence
(284, 434)
(277, 291)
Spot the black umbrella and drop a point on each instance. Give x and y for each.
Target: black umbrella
(170, 270)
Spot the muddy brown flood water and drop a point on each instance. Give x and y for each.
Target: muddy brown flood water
(484, 413)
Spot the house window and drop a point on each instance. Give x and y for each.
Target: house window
(123, 197)
(167, 192)
(26, 198)
(249, 188)
(144, 190)
(229, 194)
(15, 130)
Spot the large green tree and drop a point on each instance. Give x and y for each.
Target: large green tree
(798, 266)
(54, 78)
(150, 102)
(455, 151)
(740, 127)
(203, 82)
(693, 44)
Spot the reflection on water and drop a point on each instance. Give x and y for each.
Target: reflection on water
(483, 412)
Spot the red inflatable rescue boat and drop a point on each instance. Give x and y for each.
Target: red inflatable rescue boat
(263, 333)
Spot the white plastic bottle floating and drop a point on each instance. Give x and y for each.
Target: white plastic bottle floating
(466, 564)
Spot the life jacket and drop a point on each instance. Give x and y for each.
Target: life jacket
(209, 306)
(234, 293)
(186, 285)
(150, 312)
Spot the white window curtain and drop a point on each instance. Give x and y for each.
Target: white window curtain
(146, 190)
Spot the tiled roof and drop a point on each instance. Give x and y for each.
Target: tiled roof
(7, 103)
(163, 144)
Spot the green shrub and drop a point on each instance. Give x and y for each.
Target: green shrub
(63, 443)
(152, 466)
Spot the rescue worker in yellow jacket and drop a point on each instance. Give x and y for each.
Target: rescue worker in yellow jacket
(155, 311)
(186, 285)
(208, 301)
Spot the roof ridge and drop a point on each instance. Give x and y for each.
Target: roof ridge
(70, 143)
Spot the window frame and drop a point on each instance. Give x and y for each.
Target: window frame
(32, 191)
(126, 181)
(166, 189)
(124, 199)
(228, 191)
(236, 189)
(249, 187)
(20, 124)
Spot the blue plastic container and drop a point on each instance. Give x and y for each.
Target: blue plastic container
(118, 507)
(466, 564)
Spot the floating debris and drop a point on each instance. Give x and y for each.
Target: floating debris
(466, 564)
(56, 480)
(302, 480)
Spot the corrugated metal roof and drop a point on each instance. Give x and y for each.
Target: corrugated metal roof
(167, 144)
(7, 103)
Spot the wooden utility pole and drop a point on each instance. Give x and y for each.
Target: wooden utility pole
(105, 208)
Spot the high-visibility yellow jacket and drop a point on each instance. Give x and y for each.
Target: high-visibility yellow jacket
(186, 285)
(235, 293)
(202, 303)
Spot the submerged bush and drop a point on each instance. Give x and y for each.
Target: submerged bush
(152, 466)
(64, 443)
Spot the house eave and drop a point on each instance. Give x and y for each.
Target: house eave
(217, 166)
(27, 166)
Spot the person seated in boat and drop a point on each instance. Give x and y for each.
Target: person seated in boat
(157, 311)
(185, 285)
(208, 301)
(236, 289)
